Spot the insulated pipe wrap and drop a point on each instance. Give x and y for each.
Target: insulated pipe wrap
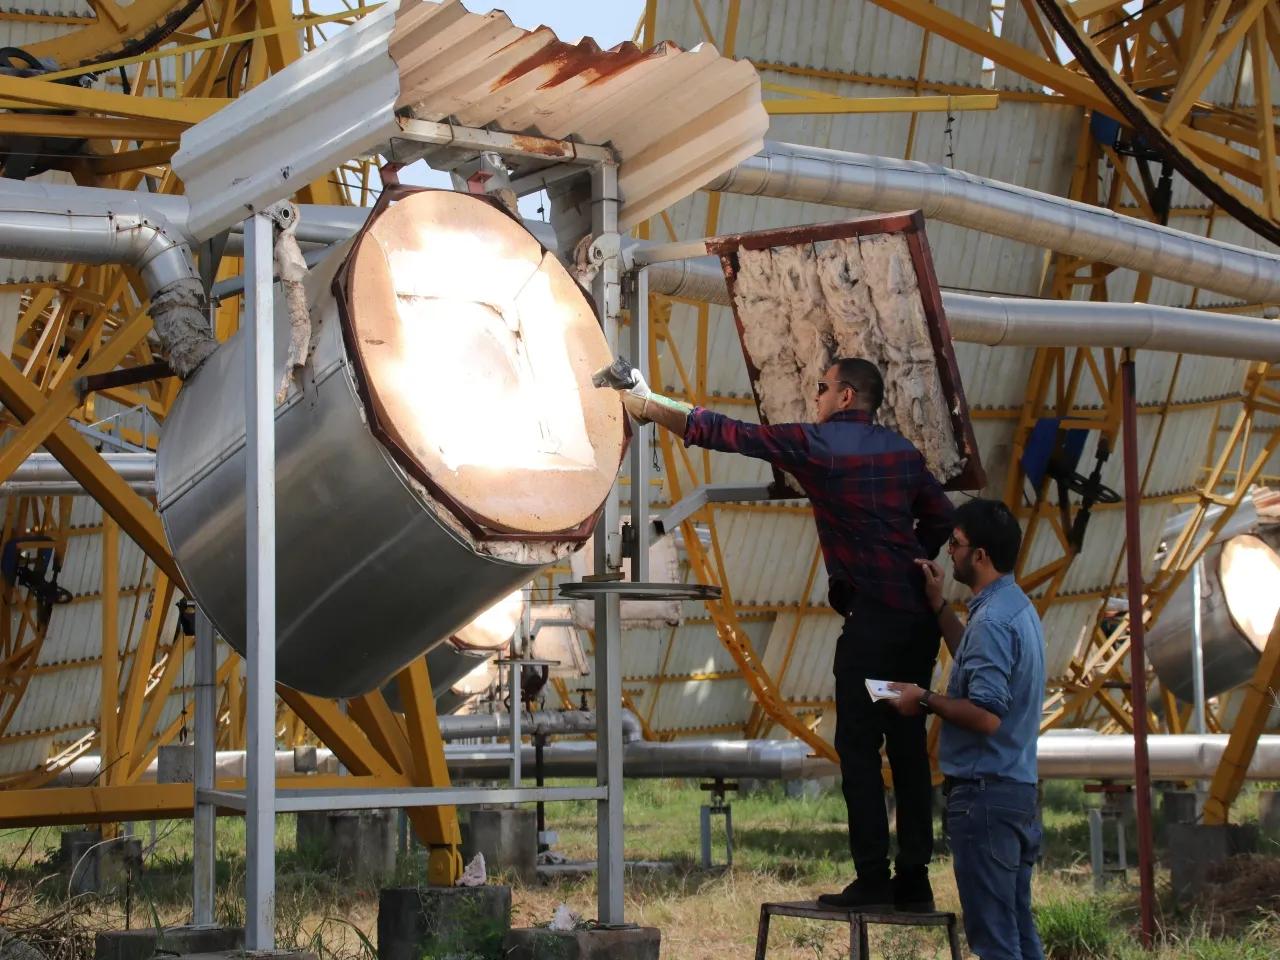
(863, 182)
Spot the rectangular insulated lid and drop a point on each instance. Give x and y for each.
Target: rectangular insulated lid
(803, 296)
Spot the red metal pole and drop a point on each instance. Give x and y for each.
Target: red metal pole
(1137, 655)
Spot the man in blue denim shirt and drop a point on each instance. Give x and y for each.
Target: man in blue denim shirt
(991, 724)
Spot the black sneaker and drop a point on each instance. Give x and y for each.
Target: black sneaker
(863, 894)
(912, 892)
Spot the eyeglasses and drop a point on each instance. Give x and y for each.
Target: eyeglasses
(955, 544)
(823, 386)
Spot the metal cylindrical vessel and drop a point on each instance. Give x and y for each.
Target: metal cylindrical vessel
(474, 645)
(442, 444)
(1239, 602)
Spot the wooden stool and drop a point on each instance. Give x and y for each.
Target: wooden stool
(858, 923)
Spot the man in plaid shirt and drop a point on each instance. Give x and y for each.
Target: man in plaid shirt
(878, 510)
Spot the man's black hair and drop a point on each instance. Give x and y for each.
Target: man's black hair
(864, 377)
(991, 526)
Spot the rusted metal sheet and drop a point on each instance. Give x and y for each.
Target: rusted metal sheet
(675, 117)
(911, 226)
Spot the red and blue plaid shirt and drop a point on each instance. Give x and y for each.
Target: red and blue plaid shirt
(877, 506)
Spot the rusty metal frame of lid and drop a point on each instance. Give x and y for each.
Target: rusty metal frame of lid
(911, 225)
(480, 527)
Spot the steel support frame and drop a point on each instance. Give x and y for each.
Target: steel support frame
(260, 586)
(606, 289)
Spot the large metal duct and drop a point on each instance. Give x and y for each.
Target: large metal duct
(443, 444)
(1063, 755)
(1240, 597)
(114, 227)
(862, 182)
(479, 641)
(1017, 322)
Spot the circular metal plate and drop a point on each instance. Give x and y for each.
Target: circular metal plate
(627, 590)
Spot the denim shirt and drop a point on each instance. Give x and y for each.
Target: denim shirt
(1000, 667)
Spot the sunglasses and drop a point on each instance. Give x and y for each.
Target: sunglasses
(823, 386)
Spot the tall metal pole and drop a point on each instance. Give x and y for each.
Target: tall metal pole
(643, 434)
(205, 822)
(1137, 654)
(260, 554)
(1197, 648)
(607, 291)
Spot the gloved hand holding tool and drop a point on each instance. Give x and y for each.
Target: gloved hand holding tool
(643, 404)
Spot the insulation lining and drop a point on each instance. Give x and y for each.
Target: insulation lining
(478, 348)
(801, 307)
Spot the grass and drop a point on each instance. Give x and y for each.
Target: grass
(785, 849)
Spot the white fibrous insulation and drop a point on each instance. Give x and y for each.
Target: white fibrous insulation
(801, 308)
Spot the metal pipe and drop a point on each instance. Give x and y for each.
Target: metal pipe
(260, 586)
(204, 826)
(1018, 322)
(551, 723)
(1197, 649)
(1062, 755)
(41, 475)
(606, 290)
(65, 488)
(1137, 656)
(44, 222)
(862, 182)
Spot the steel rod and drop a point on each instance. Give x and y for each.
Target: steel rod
(203, 856)
(1137, 657)
(260, 500)
(643, 436)
(1197, 648)
(606, 288)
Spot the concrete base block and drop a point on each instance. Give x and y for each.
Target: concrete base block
(1181, 806)
(119, 861)
(311, 835)
(176, 763)
(508, 838)
(539, 943)
(78, 853)
(1269, 811)
(803, 789)
(182, 941)
(364, 843)
(1194, 847)
(438, 921)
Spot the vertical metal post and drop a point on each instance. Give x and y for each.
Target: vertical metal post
(643, 435)
(260, 555)
(704, 831)
(1137, 653)
(513, 685)
(1197, 648)
(1097, 849)
(203, 855)
(606, 288)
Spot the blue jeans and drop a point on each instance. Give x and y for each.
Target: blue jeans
(995, 840)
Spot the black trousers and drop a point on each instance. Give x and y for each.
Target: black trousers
(881, 643)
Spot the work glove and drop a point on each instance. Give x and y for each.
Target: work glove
(628, 381)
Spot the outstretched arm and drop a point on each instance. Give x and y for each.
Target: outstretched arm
(784, 444)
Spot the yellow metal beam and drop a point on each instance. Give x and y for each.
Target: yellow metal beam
(1259, 701)
(88, 128)
(108, 740)
(140, 670)
(134, 514)
(817, 103)
(54, 411)
(188, 110)
(437, 826)
(379, 724)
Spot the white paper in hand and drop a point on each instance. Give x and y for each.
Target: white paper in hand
(879, 690)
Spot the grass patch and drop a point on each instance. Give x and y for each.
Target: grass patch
(785, 849)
